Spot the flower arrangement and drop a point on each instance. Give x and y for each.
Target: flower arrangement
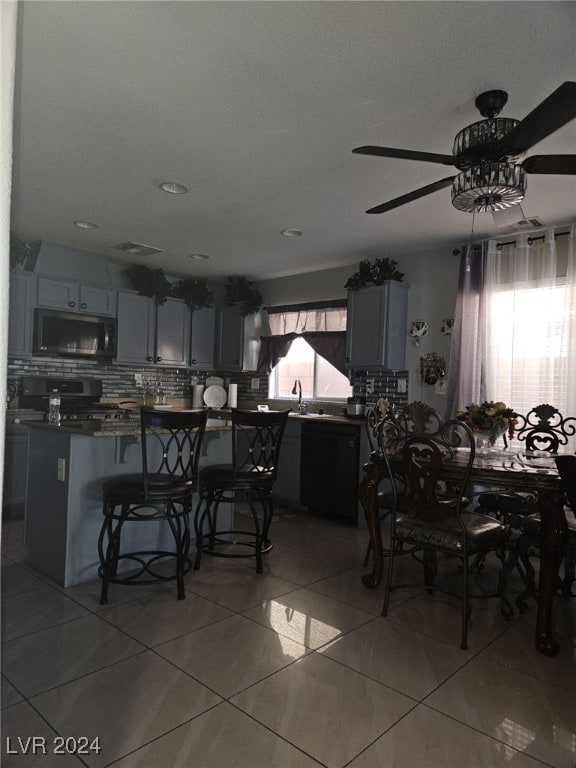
(492, 418)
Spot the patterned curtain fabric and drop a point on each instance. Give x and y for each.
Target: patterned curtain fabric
(324, 328)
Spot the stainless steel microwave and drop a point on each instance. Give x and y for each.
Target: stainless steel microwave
(74, 335)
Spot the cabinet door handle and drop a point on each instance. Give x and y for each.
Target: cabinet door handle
(71, 303)
(150, 359)
(194, 361)
(347, 359)
(158, 359)
(84, 305)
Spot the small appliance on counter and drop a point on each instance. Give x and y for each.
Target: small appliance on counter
(356, 407)
(79, 399)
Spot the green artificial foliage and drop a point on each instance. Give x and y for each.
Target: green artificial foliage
(195, 292)
(149, 282)
(241, 291)
(23, 252)
(374, 273)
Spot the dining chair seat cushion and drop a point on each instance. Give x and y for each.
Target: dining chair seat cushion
(482, 531)
(224, 476)
(130, 488)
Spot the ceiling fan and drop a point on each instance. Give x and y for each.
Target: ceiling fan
(487, 154)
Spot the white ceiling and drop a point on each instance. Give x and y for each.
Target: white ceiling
(256, 106)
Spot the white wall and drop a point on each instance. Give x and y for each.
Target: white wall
(433, 280)
(8, 12)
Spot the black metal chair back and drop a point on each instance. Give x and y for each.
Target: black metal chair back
(256, 442)
(423, 459)
(179, 435)
(544, 428)
(566, 465)
(430, 511)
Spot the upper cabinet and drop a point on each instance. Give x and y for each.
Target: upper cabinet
(376, 326)
(203, 338)
(229, 338)
(74, 297)
(20, 318)
(237, 339)
(150, 333)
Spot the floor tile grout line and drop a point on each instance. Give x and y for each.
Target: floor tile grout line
(487, 735)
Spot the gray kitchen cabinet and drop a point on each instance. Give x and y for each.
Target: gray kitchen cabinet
(20, 318)
(237, 339)
(229, 338)
(15, 464)
(287, 485)
(150, 333)
(377, 326)
(202, 338)
(74, 297)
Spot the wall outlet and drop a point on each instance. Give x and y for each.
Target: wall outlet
(402, 385)
(369, 386)
(254, 383)
(61, 471)
(138, 379)
(441, 387)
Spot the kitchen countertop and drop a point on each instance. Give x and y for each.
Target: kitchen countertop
(114, 428)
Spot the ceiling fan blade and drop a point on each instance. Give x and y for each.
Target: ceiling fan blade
(563, 165)
(405, 154)
(554, 112)
(422, 192)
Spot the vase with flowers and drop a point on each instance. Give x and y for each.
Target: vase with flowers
(490, 420)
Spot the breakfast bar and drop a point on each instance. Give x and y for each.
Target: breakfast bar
(67, 465)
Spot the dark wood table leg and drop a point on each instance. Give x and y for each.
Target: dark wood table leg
(553, 539)
(368, 495)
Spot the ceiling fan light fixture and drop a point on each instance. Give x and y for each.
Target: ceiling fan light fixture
(474, 139)
(488, 187)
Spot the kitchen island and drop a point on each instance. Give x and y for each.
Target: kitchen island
(67, 465)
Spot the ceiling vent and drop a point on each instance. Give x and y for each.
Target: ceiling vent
(514, 220)
(137, 249)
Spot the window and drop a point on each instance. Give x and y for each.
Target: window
(531, 320)
(307, 342)
(320, 380)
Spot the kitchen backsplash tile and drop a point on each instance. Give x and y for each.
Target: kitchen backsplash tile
(118, 380)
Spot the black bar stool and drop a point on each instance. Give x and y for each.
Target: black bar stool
(256, 440)
(171, 442)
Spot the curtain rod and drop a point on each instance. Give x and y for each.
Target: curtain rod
(531, 240)
(311, 305)
(500, 245)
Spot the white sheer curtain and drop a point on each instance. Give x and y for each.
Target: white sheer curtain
(530, 308)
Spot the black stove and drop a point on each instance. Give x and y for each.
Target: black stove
(79, 399)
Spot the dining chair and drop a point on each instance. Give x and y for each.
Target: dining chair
(415, 417)
(529, 542)
(544, 429)
(431, 516)
(161, 496)
(256, 442)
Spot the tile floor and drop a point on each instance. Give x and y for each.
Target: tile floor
(291, 668)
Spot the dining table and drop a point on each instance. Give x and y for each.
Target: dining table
(513, 470)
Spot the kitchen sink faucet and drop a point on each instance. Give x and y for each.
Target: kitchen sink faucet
(297, 389)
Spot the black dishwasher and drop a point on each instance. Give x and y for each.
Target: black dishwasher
(329, 469)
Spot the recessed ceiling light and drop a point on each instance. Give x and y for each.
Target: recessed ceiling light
(85, 225)
(174, 188)
(199, 256)
(291, 232)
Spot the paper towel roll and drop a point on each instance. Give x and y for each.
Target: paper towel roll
(232, 395)
(197, 396)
